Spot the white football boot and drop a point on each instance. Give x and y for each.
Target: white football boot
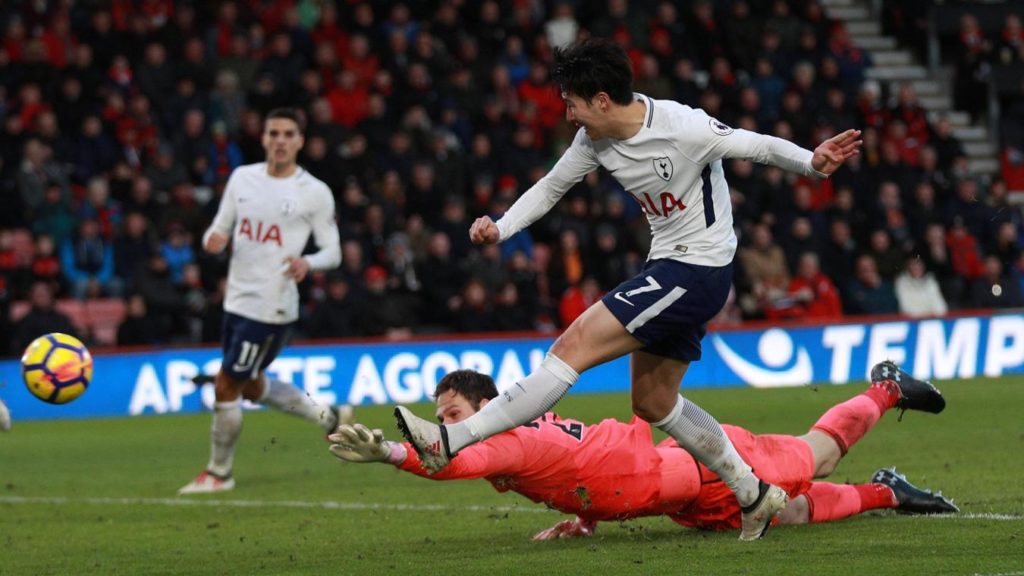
(207, 483)
(429, 439)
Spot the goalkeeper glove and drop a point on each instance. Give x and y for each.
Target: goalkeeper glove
(357, 443)
(568, 529)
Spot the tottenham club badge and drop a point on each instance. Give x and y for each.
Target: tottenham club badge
(287, 207)
(663, 168)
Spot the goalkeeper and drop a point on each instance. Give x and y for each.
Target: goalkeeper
(613, 470)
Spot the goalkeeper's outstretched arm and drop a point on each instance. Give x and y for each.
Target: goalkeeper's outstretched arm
(357, 443)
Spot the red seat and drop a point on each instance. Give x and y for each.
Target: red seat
(104, 316)
(75, 311)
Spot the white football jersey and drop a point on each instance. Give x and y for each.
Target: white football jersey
(673, 168)
(269, 219)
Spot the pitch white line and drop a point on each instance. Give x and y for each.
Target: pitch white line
(336, 505)
(979, 516)
(325, 505)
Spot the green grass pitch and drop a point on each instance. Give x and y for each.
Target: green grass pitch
(98, 497)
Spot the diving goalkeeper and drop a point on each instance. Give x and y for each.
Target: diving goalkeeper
(614, 471)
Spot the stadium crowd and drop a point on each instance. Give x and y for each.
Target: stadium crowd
(121, 121)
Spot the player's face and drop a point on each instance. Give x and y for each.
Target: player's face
(584, 114)
(282, 140)
(453, 407)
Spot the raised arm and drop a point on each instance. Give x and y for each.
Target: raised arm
(713, 140)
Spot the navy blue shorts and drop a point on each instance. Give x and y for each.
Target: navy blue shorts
(250, 346)
(668, 305)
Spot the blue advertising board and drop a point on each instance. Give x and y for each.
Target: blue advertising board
(160, 381)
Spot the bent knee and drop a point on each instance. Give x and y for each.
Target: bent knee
(228, 388)
(825, 467)
(568, 342)
(651, 409)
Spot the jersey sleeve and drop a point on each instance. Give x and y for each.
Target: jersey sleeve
(325, 234)
(224, 221)
(502, 454)
(706, 140)
(577, 161)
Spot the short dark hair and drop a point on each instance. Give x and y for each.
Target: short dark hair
(293, 114)
(592, 66)
(473, 386)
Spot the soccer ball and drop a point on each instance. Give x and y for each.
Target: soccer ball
(56, 368)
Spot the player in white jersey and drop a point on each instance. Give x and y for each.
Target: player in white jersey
(5, 417)
(268, 212)
(668, 156)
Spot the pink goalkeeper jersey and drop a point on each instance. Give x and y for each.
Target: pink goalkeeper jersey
(607, 471)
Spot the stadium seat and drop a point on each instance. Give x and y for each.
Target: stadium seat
(104, 316)
(75, 311)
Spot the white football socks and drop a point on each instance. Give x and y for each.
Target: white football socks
(702, 436)
(289, 399)
(227, 426)
(527, 400)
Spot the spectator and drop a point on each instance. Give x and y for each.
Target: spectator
(335, 315)
(811, 294)
(969, 87)
(92, 152)
(567, 265)
(923, 211)
(381, 313)
(486, 265)
(474, 312)
(164, 301)
(510, 314)
(138, 328)
(888, 258)
(918, 291)
(607, 262)
(947, 145)
(839, 255)
(1010, 47)
(224, 155)
(577, 298)
(164, 172)
(177, 251)
(442, 280)
(13, 267)
(38, 172)
(1006, 245)
(42, 318)
(53, 217)
(192, 146)
(964, 254)
(99, 206)
(869, 293)
(46, 264)
(561, 27)
(764, 265)
(88, 263)
(938, 260)
(994, 288)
